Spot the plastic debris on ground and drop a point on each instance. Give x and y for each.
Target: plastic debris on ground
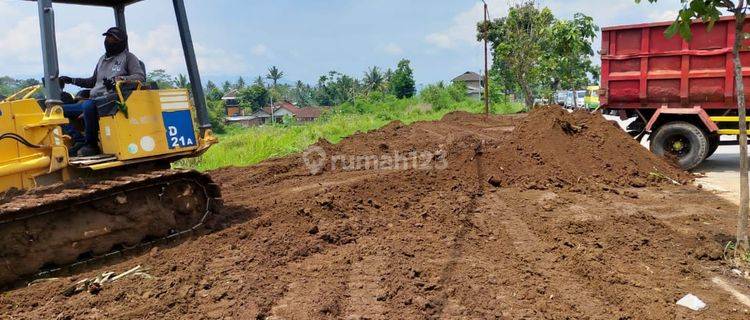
(692, 302)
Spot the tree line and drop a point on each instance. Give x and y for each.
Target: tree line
(332, 89)
(9, 85)
(537, 54)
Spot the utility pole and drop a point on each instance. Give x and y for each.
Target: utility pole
(486, 61)
(273, 119)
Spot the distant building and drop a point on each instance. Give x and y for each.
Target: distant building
(474, 84)
(280, 110)
(232, 104)
(245, 121)
(286, 108)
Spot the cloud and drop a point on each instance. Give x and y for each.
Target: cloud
(212, 61)
(21, 53)
(20, 46)
(81, 45)
(161, 49)
(668, 15)
(463, 29)
(393, 49)
(441, 40)
(260, 50)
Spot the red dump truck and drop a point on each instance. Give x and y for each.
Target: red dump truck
(680, 93)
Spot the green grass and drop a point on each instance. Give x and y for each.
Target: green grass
(248, 146)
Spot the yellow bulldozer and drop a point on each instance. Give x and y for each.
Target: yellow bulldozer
(57, 210)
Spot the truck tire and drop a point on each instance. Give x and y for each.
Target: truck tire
(682, 141)
(713, 144)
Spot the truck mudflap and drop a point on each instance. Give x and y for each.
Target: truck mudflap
(697, 110)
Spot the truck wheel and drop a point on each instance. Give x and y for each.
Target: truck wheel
(713, 144)
(683, 141)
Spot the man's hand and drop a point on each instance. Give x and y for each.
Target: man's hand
(118, 78)
(109, 84)
(66, 80)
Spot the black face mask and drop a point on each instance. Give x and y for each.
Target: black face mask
(115, 48)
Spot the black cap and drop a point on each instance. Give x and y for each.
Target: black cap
(116, 32)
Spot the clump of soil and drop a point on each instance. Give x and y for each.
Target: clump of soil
(469, 236)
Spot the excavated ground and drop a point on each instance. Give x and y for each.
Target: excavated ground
(550, 215)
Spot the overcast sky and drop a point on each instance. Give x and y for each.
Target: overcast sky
(304, 38)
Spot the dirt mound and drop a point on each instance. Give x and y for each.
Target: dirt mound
(437, 239)
(554, 148)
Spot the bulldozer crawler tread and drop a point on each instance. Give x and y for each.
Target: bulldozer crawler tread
(35, 204)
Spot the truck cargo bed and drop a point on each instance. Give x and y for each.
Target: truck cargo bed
(642, 68)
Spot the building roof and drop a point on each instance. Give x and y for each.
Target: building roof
(308, 112)
(241, 118)
(230, 95)
(282, 105)
(261, 114)
(468, 76)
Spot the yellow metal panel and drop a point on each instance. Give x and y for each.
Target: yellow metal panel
(27, 112)
(141, 133)
(21, 164)
(8, 148)
(34, 163)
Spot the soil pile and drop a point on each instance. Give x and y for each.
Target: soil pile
(554, 148)
(341, 232)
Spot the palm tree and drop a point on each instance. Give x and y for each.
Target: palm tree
(388, 75)
(182, 81)
(387, 79)
(373, 79)
(274, 74)
(259, 81)
(226, 86)
(302, 93)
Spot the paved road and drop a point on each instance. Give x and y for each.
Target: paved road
(722, 173)
(721, 170)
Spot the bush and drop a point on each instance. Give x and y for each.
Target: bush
(217, 116)
(443, 97)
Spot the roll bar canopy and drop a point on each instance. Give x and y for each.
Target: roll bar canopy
(100, 3)
(52, 88)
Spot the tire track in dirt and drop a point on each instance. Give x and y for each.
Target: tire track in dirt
(527, 244)
(356, 177)
(314, 295)
(457, 247)
(366, 294)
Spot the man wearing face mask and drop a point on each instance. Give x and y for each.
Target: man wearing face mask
(117, 64)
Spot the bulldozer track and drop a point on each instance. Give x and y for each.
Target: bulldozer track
(37, 204)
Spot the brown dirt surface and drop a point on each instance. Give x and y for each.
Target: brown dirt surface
(547, 215)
